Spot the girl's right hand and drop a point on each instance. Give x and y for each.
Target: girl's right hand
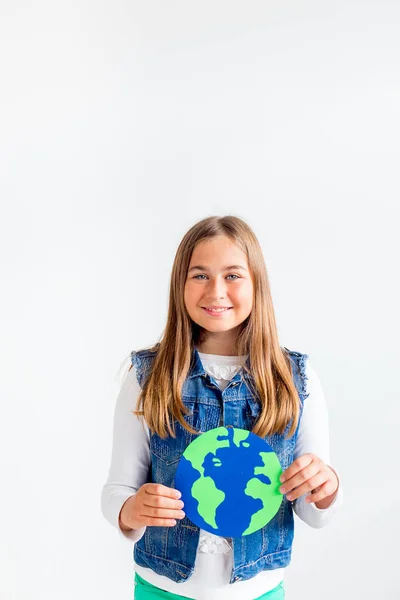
(153, 504)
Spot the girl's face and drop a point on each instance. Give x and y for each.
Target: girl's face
(218, 276)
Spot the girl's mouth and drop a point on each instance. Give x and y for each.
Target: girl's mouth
(216, 312)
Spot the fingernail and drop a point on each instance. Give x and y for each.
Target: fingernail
(282, 490)
(281, 479)
(177, 494)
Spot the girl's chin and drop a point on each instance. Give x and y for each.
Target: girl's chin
(217, 326)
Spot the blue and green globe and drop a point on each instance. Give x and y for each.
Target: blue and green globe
(229, 481)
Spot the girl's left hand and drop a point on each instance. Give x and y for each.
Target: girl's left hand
(308, 473)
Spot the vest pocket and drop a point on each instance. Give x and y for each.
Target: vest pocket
(169, 450)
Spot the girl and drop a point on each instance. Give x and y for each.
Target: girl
(218, 363)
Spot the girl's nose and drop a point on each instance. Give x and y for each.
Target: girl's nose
(216, 290)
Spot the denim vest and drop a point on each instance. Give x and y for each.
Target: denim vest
(171, 551)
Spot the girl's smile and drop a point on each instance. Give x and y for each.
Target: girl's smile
(214, 312)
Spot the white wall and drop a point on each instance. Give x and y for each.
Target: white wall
(121, 124)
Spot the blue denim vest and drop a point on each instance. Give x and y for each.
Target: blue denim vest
(171, 551)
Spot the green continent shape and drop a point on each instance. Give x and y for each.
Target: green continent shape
(204, 489)
(239, 435)
(257, 489)
(209, 498)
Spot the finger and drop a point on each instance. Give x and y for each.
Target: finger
(300, 478)
(161, 490)
(297, 465)
(309, 485)
(162, 502)
(155, 522)
(325, 490)
(162, 513)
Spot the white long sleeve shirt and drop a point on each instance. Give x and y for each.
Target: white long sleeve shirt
(129, 467)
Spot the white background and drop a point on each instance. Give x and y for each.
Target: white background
(122, 124)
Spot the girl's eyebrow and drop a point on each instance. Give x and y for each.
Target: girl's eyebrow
(231, 267)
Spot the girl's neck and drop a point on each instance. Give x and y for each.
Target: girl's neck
(221, 343)
(218, 349)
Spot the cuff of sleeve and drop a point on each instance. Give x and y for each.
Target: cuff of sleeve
(113, 499)
(133, 535)
(314, 516)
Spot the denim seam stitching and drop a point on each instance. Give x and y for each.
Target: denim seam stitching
(264, 558)
(174, 562)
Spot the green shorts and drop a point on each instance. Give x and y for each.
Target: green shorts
(147, 591)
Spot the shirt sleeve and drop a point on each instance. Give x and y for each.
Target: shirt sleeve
(130, 458)
(313, 437)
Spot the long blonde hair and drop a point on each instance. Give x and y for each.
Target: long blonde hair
(160, 401)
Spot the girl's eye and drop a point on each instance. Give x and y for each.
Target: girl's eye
(232, 275)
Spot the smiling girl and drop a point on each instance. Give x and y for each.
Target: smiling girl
(219, 362)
